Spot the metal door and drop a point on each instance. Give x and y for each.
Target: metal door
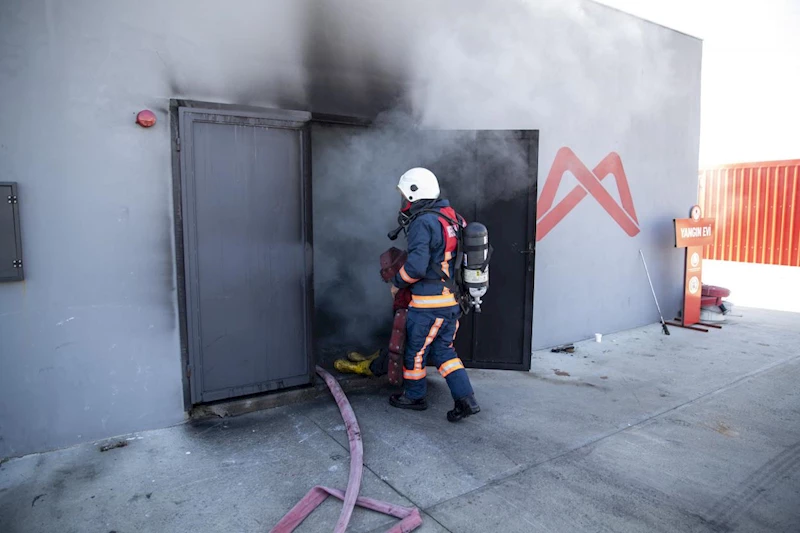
(496, 186)
(247, 251)
(489, 176)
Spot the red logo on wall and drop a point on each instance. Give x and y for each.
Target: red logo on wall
(589, 183)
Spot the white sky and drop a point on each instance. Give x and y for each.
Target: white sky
(751, 73)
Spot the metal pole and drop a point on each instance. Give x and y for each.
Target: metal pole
(650, 281)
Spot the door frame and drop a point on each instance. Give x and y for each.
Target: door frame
(308, 118)
(530, 285)
(532, 138)
(297, 120)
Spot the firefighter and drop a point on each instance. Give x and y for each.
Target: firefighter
(434, 312)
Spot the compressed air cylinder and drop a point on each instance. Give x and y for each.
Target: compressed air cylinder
(476, 271)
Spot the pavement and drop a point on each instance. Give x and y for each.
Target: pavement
(641, 432)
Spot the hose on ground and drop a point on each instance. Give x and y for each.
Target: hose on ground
(410, 518)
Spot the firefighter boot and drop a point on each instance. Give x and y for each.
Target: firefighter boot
(349, 367)
(401, 402)
(357, 357)
(463, 408)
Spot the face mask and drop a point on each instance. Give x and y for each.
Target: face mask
(403, 217)
(404, 204)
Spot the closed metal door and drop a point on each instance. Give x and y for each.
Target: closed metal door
(247, 253)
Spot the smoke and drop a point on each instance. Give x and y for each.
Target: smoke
(459, 66)
(356, 203)
(521, 64)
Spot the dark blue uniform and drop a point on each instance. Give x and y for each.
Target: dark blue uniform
(434, 312)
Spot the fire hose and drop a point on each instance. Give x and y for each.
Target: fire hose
(410, 518)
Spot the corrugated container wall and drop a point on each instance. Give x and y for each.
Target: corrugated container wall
(757, 212)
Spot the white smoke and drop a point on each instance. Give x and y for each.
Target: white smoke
(355, 205)
(502, 64)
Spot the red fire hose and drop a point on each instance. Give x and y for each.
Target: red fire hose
(410, 519)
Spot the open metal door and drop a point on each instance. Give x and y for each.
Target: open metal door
(497, 187)
(489, 176)
(246, 220)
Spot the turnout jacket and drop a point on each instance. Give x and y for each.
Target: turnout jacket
(432, 241)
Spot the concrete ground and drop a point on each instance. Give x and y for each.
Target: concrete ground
(643, 432)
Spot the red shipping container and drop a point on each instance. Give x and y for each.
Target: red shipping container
(757, 211)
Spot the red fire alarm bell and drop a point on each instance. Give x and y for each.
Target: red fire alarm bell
(146, 118)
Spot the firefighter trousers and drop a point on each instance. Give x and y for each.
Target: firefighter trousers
(430, 333)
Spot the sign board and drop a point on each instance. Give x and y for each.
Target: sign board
(690, 232)
(693, 234)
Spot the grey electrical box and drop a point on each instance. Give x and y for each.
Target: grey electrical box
(10, 242)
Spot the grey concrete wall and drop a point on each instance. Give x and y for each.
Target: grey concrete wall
(89, 343)
(589, 276)
(596, 81)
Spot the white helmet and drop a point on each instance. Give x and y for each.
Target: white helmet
(419, 184)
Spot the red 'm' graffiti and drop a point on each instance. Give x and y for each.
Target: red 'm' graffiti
(589, 182)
